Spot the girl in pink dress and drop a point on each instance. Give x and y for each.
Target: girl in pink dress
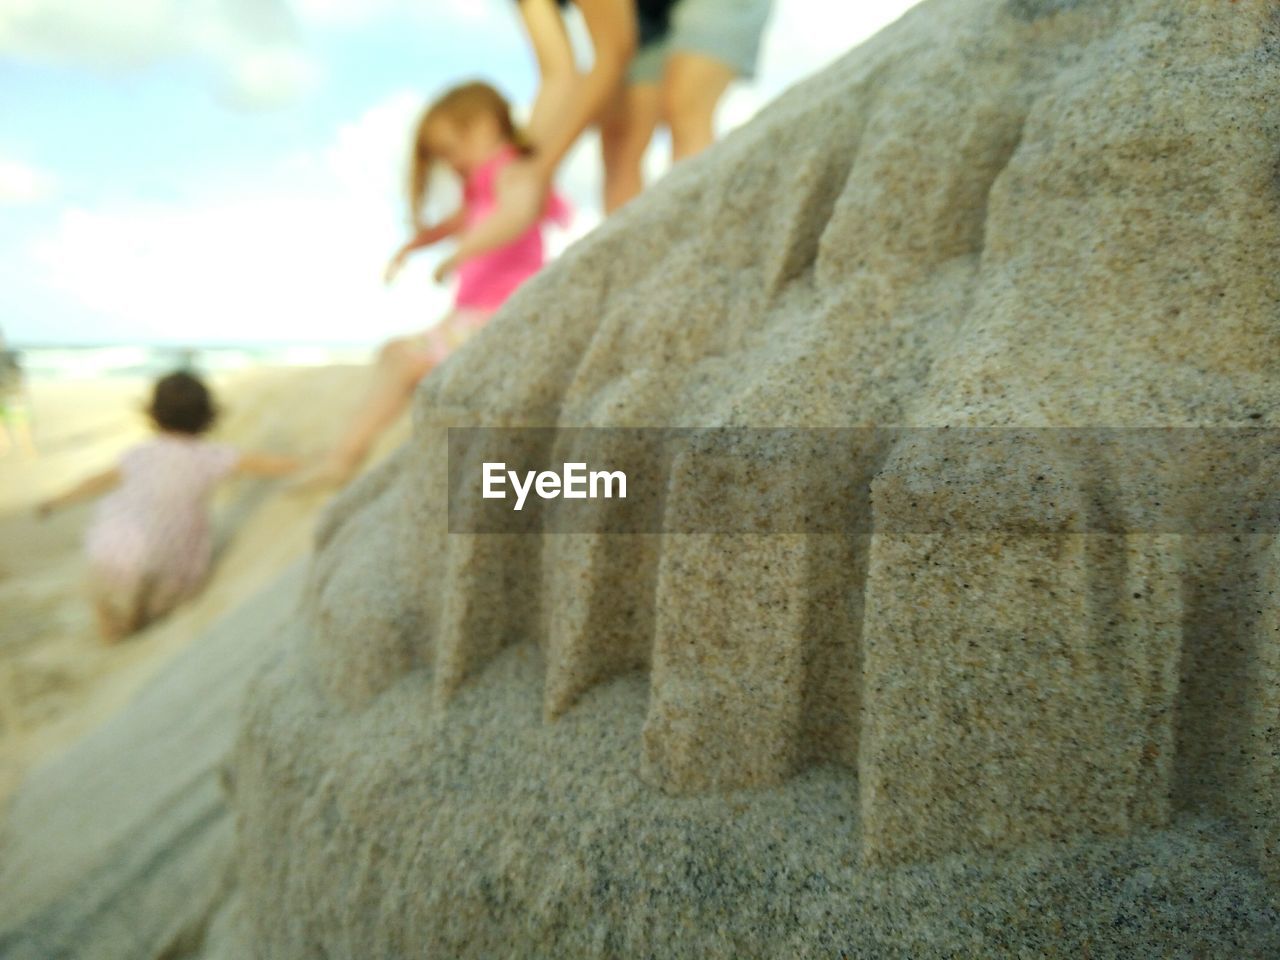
(470, 131)
(149, 546)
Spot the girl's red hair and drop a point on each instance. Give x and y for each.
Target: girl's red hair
(462, 105)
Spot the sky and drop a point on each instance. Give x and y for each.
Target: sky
(230, 171)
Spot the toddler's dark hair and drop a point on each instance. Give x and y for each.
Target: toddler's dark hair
(182, 403)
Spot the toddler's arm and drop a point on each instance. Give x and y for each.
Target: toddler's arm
(266, 465)
(87, 489)
(425, 238)
(519, 204)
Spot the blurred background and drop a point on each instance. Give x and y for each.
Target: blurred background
(219, 183)
(228, 173)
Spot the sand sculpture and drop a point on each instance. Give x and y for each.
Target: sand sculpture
(940, 739)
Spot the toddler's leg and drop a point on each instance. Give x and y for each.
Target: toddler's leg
(112, 625)
(164, 594)
(119, 604)
(401, 364)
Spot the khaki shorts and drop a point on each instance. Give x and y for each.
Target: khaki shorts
(724, 30)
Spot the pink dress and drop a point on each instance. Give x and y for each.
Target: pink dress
(485, 282)
(149, 542)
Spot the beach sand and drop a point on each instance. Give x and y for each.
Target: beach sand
(57, 679)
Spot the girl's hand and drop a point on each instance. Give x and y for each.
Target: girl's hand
(447, 266)
(395, 265)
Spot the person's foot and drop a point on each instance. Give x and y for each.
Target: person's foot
(113, 627)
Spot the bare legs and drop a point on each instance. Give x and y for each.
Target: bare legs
(692, 85)
(401, 364)
(625, 130)
(121, 606)
(113, 625)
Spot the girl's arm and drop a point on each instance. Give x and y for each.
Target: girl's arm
(87, 489)
(434, 234)
(519, 203)
(266, 465)
(557, 72)
(424, 238)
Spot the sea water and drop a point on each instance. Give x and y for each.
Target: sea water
(94, 361)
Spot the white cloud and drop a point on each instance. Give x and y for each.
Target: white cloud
(345, 13)
(267, 75)
(367, 155)
(247, 268)
(296, 256)
(341, 13)
(803, 36)
(22, 183)
(254, 43)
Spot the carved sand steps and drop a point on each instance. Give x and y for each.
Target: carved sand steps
(1011, 216)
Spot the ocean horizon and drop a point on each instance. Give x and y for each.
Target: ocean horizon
(46, 362)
